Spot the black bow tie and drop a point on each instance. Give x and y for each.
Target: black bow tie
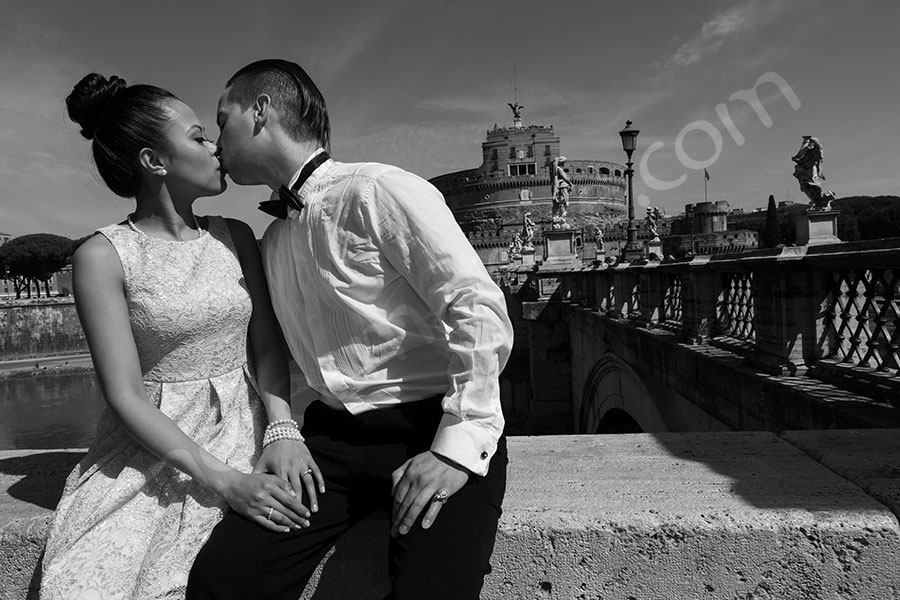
(287, 197)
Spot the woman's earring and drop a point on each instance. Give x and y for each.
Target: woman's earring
(163, 172)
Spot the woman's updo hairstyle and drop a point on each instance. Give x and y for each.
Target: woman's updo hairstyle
(121, 121)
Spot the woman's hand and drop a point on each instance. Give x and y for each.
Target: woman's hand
(266, 500)
(291, 461)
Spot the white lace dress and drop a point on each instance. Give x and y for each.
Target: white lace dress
(129, 525)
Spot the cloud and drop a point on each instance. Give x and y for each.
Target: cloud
(726, 27)
(427, 149)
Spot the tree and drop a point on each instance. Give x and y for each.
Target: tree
(770, 236)
(34, 258)
(868, 217)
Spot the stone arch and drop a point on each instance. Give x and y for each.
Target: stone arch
(616, 420)
(613, 385)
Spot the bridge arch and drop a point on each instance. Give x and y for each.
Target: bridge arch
(616, 399)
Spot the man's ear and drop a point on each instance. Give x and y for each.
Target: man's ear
(261, 109)
(152, 162)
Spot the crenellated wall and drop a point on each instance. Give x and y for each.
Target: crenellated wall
(40, 328)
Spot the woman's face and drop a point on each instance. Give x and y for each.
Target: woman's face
(192, 166)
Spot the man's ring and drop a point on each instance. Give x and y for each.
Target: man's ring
(305, 473)
(269, 515)
(440, 497)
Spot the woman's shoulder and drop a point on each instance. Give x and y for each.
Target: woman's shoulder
(236, 229)
(220, 223)
(233, 232)
(98, 250)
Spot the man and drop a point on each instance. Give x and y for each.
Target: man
(394, 321)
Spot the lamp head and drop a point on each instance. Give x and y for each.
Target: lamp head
(629, 138)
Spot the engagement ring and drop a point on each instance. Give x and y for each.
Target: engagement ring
(441, 496)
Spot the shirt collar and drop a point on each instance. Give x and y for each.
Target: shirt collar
(297, 172)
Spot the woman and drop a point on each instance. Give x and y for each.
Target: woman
(170, 303)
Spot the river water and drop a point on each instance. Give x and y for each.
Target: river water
(60, 410)
(49, 411)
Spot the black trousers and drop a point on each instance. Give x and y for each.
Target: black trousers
(357, 455)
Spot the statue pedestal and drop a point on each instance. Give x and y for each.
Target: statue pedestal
(559, 248)
(527, 256)
(817, 227)
(654, 246)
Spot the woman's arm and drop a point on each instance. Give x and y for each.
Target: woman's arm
(98, 283)
(288, 459)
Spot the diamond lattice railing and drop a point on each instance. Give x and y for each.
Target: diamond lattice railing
(736, 306)
(861, 320)
(672, 301)
(634, 307)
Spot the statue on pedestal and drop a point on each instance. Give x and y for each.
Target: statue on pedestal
(515, 247)
(598, 238)
(559, 188)
(528, 230)
(652, 218)
(808, 171)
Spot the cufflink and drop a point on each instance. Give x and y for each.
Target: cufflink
(484, 455)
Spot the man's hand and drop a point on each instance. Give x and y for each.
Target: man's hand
(291, 461)
(415, 484)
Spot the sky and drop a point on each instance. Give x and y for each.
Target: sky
(418, 83)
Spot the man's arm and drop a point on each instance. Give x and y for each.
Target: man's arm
(420, 238)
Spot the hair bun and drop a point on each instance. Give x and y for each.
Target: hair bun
(89, 100)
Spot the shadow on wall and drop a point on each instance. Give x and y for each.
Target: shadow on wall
(621, 398)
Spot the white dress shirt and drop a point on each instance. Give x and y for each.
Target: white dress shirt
(383, 300)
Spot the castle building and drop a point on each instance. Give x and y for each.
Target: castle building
(491, 201)
(704, 229)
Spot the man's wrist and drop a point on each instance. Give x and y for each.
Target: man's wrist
(451, 462)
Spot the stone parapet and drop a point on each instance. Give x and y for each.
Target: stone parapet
(825, 311)
(707, 515)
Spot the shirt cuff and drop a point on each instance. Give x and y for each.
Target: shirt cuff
(465, 442)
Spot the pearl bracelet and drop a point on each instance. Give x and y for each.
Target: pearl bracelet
(281, 432)
(281, 423)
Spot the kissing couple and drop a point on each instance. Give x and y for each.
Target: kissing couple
(200, 483)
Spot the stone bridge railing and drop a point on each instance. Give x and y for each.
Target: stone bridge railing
(831, 312)
(681, 515)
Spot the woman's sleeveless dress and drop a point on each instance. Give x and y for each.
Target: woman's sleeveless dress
(129, 525)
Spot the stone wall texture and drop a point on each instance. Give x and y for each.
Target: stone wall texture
(40, 329)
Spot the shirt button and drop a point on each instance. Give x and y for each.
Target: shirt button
(483, 455)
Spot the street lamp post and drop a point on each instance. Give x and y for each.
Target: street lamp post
(629, 142)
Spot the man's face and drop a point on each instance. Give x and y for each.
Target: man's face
(237, 141)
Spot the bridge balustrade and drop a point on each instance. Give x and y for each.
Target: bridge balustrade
(830, 312)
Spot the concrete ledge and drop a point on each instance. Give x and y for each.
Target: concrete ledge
(704, 515)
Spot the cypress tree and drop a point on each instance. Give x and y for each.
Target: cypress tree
(771, 233)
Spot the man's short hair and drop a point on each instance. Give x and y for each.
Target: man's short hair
(300, 104)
